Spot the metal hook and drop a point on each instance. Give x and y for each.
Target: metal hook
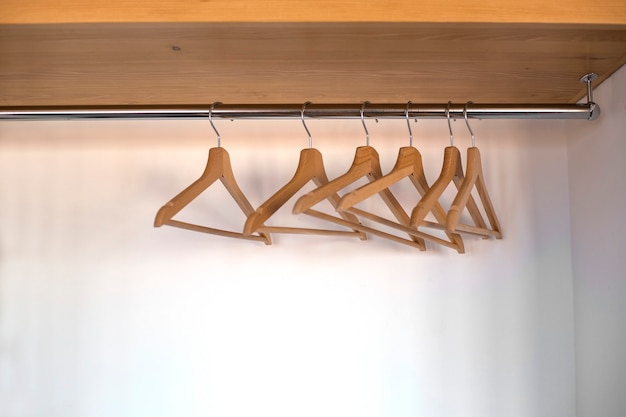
(449, 125)
(367, 134)
(219, 138)
(306, 103)
(467, 121)
(408, 123)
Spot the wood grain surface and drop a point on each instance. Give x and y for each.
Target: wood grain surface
(494, 11)
(198, 63)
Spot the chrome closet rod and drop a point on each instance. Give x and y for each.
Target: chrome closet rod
(589, 111)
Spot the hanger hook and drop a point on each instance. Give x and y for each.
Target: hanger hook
(408, 123)
(449, 125)
(467, 121)
(367, 134)
(219, 138)
(306, 103)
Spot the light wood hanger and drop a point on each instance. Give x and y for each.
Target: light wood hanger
(451, 171)
(473, 178)
(408, 164)
(366, 163)
(310, 168)
(218, 167)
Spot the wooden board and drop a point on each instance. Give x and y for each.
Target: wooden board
(197, 63)
(493, 11)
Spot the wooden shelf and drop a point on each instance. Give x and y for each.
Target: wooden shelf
(75, 53)
(605, 12)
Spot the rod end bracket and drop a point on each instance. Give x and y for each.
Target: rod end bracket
(588, 79)
(594, 110)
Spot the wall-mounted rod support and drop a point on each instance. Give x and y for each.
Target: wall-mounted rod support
(587, 111)
(588, 79)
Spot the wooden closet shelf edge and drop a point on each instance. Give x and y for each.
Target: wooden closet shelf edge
(506, 11)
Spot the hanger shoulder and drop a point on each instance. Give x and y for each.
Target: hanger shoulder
(420, 183)
(365, 161)
(451, 160)
(481, 187)
(418, 178)
(471, 205)
(310, 167)
(473, 178)
(367, 156)
(408, 157)
(212, 172)
(218, 167)
(464, 191)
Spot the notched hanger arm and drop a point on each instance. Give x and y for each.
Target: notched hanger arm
(473, 178)
(310, 168)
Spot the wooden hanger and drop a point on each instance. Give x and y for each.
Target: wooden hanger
(218, 167)
(408, 164)
(310, 168)
(473, 178)
(366, 163)
(451, 171)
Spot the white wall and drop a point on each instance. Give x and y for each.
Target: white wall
(597, 172)
(103, 315)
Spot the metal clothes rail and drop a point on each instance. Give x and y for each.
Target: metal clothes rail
(589, 111)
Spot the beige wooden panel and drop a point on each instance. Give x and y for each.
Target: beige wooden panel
(197, 63)
(511, 11)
